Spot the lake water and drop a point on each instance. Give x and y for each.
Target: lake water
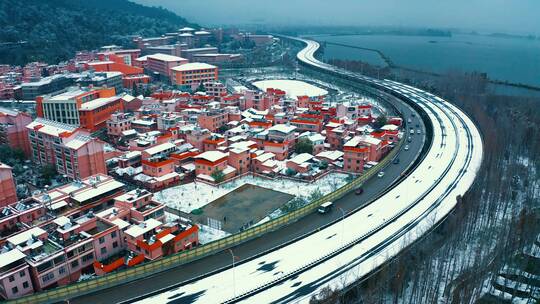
(513, 59)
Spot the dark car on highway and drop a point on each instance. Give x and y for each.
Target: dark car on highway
(359, 191)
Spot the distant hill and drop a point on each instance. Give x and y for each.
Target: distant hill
(53, 30)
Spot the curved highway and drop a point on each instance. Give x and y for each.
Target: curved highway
(350, 249)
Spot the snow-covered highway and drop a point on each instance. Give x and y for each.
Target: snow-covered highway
(350, 249)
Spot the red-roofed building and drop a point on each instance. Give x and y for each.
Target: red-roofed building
(114, 66)
(184, 157)
(8, 193)
(209, 162)
(195, 137)
(306, 123)
(240, 159)
(302, 101)
(356, 154)
(260, 124)
(132, 81)
(13, 130)
(72, 151)
(280, 149)
(155, 240)
(213, 142)
(93, 115)
(390, 136)
(121, 56)
(212, 121)
(89, 109)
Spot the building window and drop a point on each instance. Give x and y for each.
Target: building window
(22, 273)
(75, 264)
(103, 250)
(58, 260)
(115, 244)
(49, 276)
(62, 270)
(25, 285)
(11, 278)
(113, 234)
(14, 290)
(88, 257)
(102, 240)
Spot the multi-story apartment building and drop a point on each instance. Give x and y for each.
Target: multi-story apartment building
(168, 49)
(168, 120)
(154, 239)
(140, 206)
(94, 192)
(162, 64)
(214, 142)
(281, 133)
(13, 130)
(8, 193)
(15, 279)
(240, 159)
(193, 74)
(47, 85)
(111, 79)
(57, 253)
(189, 53)
(356, 154)
(353, 111)
(118, 123)
(128, 56)
(33, 71)
(73, 152)
(195, 136)
(218, 58)
(211, 161)
(212, 120)
(65, 107)
(308, 122)
(20, 215)
(216, 89)
(93, 115)
(158, 168)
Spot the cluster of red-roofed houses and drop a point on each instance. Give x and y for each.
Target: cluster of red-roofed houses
(92, 225)
(89, 226)
(102, 140)
(175, 136)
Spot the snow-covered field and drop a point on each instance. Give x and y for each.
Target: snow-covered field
(293, 88)
(208, 234)
(195, 195)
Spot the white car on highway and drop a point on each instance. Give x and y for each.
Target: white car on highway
(381, 174)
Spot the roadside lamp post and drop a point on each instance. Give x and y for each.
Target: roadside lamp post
(342, 224)
(233, 274)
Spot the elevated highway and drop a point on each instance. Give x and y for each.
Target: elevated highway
(352, 248)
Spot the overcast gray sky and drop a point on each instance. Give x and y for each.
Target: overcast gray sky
(521, 16)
